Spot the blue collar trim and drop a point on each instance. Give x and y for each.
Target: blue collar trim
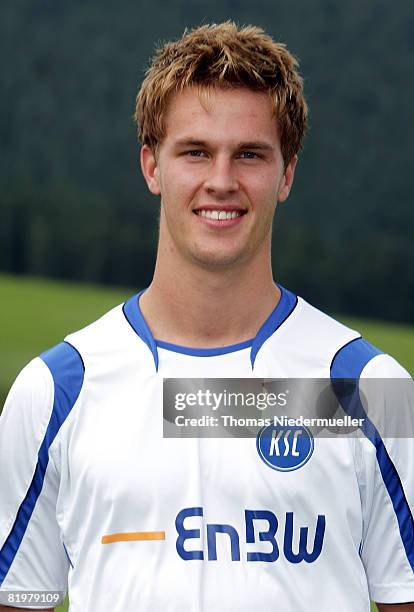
(281, 312)
(135, 318)
(204, 352)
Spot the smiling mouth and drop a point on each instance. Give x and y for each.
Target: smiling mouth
(219, 215)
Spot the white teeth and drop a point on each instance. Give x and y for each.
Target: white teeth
(219, 215)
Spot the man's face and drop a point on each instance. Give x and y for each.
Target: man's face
(219, 172)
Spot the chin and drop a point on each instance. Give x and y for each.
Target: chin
(215, 259)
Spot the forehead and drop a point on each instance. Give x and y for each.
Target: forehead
(223, 114)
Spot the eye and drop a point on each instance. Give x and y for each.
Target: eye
(249, 155)
(195, 153)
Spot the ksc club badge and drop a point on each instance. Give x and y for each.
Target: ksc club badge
(285, 448)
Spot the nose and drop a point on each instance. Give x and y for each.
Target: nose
(221, 180)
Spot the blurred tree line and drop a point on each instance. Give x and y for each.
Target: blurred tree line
(73, 204)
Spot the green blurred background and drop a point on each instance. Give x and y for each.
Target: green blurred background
(73, 204)
(77, 226)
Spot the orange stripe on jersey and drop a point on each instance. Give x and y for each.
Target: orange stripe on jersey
(133, 536)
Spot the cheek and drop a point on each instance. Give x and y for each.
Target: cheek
(178, 181)
(263, 190)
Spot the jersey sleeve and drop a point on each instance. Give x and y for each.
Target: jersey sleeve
(32, 553)
(387, 491)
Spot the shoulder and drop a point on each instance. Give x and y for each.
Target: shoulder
(106, 331)
(314, 343)
(29, 400)
(312, 327)
(57, 375)
(99, 352)
(361, 359)
(307, 341)
(43, 394)
(111, 340)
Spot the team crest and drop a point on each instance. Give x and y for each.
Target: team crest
(285, 448)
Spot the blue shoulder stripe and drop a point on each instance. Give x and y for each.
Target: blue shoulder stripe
(348, 364)
(67, 369)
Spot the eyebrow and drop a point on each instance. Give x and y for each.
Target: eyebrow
(253, 145)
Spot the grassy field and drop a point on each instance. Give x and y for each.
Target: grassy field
(35, 314)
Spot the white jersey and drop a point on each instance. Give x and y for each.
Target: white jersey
(95, 500)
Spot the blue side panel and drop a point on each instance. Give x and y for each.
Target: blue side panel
(67, 369)
(283, 310)
(346, 369)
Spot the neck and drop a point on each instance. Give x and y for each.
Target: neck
(189, 305)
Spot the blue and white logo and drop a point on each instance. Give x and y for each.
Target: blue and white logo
(285, 448)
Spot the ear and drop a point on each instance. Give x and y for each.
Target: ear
(287, 180)
(149, 169)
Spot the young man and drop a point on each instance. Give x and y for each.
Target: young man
(91, 491)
